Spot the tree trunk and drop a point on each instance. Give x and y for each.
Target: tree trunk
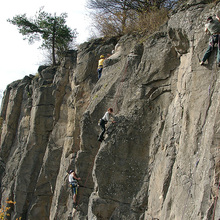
(53, 43)
(124, 17)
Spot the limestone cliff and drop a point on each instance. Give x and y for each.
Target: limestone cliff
(160, 160)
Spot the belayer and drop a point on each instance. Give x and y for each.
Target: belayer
(213, 26)
(104, 121)
(73, 181)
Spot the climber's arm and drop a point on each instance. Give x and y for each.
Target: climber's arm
(113, 118)
(75, 177)
(206, 28)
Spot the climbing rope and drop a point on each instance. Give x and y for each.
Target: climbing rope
(212, 78)
(119, 89)
(84, 185)
(87, 177)
(114, 107)
(190, 187)
(212, 83)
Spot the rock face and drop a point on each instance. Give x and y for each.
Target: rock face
(160, 160)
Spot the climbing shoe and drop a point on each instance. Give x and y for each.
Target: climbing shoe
(99, 139)
(201, 63)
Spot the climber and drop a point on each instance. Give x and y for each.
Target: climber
(104, 121)
(73, 180)
(100, 66)
(213, 26)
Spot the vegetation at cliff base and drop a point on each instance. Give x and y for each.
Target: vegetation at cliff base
(5, 210)
(56, 36)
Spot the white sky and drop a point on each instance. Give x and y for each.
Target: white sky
(17, 57)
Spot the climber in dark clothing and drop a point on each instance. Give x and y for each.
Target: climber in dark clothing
(213, 27)
(104, 121)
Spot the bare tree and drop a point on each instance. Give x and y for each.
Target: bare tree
(117, 17)
(112, 15)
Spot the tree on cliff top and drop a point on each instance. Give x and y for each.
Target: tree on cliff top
(51, 29)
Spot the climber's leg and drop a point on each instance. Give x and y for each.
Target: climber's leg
(102, 125)
(207, 54)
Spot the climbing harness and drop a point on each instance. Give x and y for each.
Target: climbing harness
(73, 184)
(74, 189)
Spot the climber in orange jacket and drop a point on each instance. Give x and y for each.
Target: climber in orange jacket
(100, 66)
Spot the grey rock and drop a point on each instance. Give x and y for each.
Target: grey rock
(160, 160)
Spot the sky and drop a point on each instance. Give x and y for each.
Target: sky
(18, 58)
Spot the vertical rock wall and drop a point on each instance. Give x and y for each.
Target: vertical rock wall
(160, 160)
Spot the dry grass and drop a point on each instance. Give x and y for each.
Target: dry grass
(145, 22)
(150, 22)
